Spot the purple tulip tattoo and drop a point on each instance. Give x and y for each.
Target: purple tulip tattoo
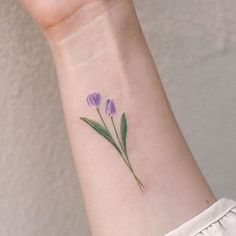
(94, 99)
(119, 143)
(110, 108)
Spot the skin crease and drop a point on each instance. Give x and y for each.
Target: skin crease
(52, 12)
(99, 46)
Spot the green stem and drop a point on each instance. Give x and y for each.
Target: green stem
(141, 186)
(132, 170)
(126, 158)
(99, 113)
(105, 126)
(113, 124)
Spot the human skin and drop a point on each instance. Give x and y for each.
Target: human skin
(98, 45)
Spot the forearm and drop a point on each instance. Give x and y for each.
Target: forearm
(106, 52)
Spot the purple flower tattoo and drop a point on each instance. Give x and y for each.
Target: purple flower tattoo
(113, 137)
(94, 99)
(110, 108)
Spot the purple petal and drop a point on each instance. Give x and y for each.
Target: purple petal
(110, 108)
(107, 107)
(94, 99)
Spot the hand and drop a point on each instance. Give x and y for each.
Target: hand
(49, 13)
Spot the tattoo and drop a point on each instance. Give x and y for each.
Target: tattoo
(119, 142)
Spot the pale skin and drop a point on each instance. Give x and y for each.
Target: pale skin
(98, 46)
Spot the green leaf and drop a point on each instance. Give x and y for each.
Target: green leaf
(123, 131)
(102, 131)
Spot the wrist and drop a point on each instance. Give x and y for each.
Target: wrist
(91, 30)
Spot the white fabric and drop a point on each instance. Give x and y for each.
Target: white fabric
(217, 220)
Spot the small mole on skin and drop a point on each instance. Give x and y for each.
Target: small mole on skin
(208, 202)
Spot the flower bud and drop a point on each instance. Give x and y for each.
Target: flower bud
(94, 99)
(110, 108)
